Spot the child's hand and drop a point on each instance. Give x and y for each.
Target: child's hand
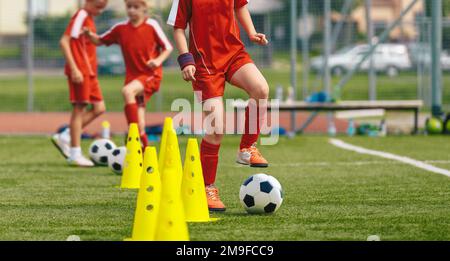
(86, 31)
(77, 76)
(189, 73)
(259, 39)
(154, 63)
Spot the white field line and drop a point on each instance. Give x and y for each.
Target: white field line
(386, 155)
(437, 161)
(349, 163)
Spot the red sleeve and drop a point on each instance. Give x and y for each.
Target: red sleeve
(180, 14)
(240, 3)
(75, 27)
(111, 36)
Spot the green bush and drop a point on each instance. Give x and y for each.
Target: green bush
(49, 29)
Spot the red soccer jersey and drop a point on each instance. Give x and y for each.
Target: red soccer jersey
(139, 45)
(83, 51)
(214, 31)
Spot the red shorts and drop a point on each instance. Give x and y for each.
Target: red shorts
(212, 84)
(87, 92)
(151, 86)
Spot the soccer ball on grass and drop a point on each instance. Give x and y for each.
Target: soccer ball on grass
(100, 150)
(261, 194)
(116, 160)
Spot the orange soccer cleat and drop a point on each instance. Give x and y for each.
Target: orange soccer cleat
(214, 202)
(252, 157)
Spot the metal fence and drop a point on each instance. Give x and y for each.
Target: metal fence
(303, 33)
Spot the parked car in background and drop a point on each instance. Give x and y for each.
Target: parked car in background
(110, 60)
(387, 58)
(421, 56)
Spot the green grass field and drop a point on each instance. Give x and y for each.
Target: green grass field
(51, 93)
(330, 194)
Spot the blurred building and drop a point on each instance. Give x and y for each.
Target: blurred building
(385, 12)
(13, 13)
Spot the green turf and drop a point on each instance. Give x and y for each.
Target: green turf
(10, 52)
(330, 194)
(51, 92)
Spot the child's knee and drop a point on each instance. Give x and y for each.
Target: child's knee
(261, 92)
(127, 92)
(99, 109)
(79, 107)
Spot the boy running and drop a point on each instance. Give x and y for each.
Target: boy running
(81, 71)
(144, 47)
(216, 55)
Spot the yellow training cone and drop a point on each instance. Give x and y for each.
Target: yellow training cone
(147, 207)
(172, 224)
(132, 171)
(168, 126)
(193, 186)
(172, 158)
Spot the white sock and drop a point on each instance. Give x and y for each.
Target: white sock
(75, 152)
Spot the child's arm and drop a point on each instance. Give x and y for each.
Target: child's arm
(179, 35)
(94, 38)
(76, 75)
(245, 19)
(158, 61)
(163, 43)
(180, 40)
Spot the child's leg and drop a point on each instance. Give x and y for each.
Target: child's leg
(89, 90)
(97, 109)
(76, 127)
(76, 157)
(141, 116)
(129, 93)
(210, 146)
(250, 79)
(209, 150)
(133, 112)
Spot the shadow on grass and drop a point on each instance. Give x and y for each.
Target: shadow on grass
(238, 214)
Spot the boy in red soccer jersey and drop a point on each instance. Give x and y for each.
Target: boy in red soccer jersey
(144, 47)
(216, 55)
(81, 71)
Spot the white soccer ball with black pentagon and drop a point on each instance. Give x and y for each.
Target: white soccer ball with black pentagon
(116, 160)
(261, 194)
(100, 150)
